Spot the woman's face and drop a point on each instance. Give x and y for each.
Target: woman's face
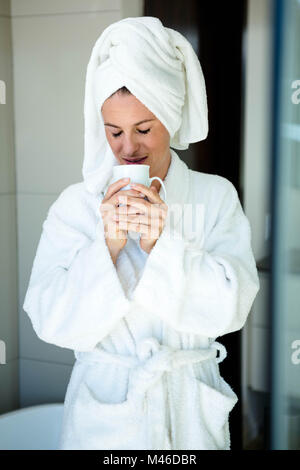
(128, 139)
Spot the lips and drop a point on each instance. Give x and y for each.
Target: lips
(135, 162)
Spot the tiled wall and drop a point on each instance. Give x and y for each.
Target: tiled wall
(52, 43)
(9, 328)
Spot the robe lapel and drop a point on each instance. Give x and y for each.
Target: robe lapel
(177, 182)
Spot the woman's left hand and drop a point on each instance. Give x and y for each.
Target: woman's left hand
(146, 217)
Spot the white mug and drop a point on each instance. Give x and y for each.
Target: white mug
(137, 174)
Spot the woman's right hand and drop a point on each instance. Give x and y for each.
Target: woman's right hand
(116, 239)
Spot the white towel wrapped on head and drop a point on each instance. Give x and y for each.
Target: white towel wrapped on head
(159, 66)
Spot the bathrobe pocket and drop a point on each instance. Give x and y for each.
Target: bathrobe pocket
(101, 425)
(214, 405)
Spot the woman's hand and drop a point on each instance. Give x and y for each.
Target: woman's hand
(144, 216)
(116, 238)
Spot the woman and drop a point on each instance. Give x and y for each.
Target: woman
(142, 315)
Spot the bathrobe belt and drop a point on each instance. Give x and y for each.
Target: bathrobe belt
(145, 387)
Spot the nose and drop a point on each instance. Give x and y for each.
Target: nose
(129, 146)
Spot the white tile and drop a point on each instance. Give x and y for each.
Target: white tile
(8, 276)
(43, 382)
(9, 389)
(7, 160)
(45, 7)
(4, 8)
(32, 211)
(50, 59)
(132, 8)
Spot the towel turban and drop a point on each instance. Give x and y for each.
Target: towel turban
(160, 68)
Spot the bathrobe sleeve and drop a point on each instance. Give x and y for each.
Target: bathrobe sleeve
(74, 297)
(207, 289)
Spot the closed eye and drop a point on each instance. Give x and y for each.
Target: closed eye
(142, 132)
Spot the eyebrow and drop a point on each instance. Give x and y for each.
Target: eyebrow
(136, 124)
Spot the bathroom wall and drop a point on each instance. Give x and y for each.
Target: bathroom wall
(9, 360)
(52, 43)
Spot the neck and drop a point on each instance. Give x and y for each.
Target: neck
(162, 173)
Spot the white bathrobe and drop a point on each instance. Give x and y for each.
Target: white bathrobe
(146, 374)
